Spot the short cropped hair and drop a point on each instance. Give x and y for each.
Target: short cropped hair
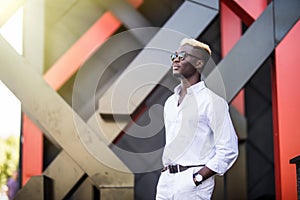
(204, 49)
(196, 43)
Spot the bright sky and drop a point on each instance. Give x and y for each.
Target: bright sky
(10, 106)
(12, 31)
(10, 112)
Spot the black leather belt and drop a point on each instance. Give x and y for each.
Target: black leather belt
(178, 168)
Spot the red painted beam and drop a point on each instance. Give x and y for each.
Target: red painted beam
(254, 7)
(286, 118)
(232, 13)
(76, 56)
(32, 150)
(231, 32)
(248, 11)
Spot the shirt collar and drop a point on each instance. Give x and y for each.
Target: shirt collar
(192, 89)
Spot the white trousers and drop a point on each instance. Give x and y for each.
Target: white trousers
(180, 186)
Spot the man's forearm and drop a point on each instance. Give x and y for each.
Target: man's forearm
(206, 172)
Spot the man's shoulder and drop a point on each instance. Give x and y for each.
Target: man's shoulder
(170, 99)
(214, 100)
(213, 95)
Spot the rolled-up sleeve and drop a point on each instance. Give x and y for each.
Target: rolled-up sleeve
(225, 138)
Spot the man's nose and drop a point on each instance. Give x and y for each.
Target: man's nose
(176, 59)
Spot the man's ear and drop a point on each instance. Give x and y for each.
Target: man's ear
(199, 65)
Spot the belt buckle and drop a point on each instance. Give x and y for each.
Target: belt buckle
(174, 169)
(171, 169)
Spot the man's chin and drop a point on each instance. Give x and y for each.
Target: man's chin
(177, 75)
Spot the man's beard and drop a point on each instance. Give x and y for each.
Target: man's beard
(181, 76)
(178, 76)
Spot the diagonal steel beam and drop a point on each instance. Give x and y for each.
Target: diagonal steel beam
(130, 17)
(56, 118)
(286, 15)
(110, 128)
(162, 43)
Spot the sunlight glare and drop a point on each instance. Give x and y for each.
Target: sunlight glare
(12, 31)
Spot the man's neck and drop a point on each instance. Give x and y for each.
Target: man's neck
(186, 83)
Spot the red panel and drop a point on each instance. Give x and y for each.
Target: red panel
(254, 7)
(286, 98)
(70, 62)
(231, 29)
(248, 11)
(32, 146)
(231, 32)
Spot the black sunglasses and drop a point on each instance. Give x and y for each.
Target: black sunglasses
(180, 55)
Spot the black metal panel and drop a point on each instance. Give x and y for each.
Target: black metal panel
(259, 143)
(245, 58)
(163, 10)
(296, 161)
(50, 151)
(212, 36)
(286, 14)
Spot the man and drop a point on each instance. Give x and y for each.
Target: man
(200, 138)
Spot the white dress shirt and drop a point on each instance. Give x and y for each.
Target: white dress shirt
(199, 130)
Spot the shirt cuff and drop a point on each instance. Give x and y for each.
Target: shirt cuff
(219, 168)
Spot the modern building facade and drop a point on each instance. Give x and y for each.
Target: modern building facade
(94, 76)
